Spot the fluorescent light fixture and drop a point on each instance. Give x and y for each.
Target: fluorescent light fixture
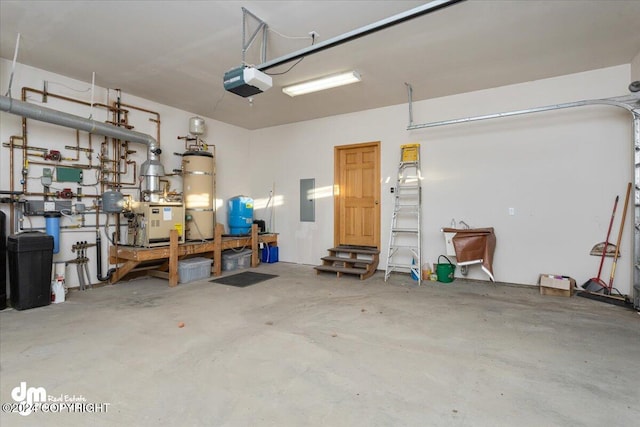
(322, 83)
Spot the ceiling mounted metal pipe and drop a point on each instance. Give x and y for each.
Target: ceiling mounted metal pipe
(630, 103)
(360, 32)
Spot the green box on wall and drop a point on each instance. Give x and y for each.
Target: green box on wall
(68, 174)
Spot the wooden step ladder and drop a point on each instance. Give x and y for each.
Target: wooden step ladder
(359, 260)
(405, 240)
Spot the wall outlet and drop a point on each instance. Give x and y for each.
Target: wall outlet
(512, 211)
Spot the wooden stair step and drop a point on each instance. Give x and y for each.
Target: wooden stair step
(355, 250)
(348, 260)
(363, 267)
(336, 269)
(364, 273)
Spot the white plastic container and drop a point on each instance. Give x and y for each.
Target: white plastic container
(194, 269)
(57, 287)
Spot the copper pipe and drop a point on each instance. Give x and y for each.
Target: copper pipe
(62, 97)
(156, 120)
(24, 146)
(101, 164)
(44, 156)
(118, 112)
(50, 194)
(77, 147)
(34, 162)
(12, 180)
(116, 153)
(20, 146)
(90, 152)
(127, 162)
(134, 173)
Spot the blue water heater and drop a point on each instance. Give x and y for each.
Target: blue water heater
(240, 210)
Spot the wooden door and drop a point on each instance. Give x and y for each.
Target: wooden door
(357, 195)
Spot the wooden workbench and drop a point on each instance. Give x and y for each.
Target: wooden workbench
(129, 257)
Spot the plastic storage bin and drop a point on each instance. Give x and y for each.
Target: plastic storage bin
(194, 269)
(232, 260)
(30, 259)
(244, 260)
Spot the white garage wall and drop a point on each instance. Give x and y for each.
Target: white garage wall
(232, 145)
(560, 171)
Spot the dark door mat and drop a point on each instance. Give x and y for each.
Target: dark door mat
(244, 279)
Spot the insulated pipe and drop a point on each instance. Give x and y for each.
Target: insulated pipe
(55, 117)
(359, 32)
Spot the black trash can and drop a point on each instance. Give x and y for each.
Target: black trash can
(3, 262)
(30, 259)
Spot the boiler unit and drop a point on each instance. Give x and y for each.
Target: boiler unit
(149, 224)
(198, 192)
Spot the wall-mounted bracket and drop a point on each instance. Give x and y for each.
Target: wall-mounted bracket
(246, 44)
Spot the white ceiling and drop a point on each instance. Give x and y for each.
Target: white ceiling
(176, 52)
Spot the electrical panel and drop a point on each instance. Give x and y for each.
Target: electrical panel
(307, 200)
(47, 177)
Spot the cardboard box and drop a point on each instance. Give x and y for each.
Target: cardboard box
(556, 285)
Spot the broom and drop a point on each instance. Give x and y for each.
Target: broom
(617, 254)
(595, 283)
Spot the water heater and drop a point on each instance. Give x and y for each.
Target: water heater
(199, 198)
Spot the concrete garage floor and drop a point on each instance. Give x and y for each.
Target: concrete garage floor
(307, 350)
